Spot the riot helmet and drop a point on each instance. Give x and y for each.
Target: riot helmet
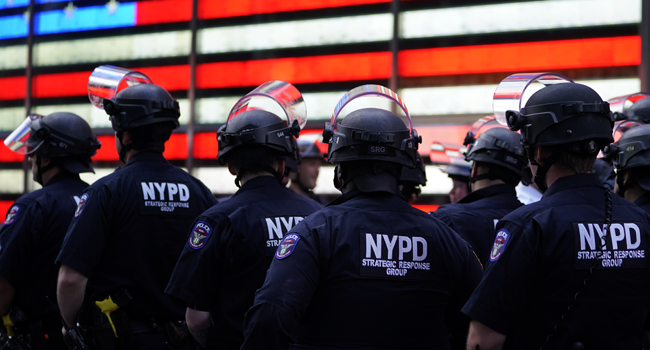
(631, 107)
(561, 112)
(61, 136)
(250, 123)
(491, 143)
(309, 149)
(632, 151)
(370, 137)
(134, 103)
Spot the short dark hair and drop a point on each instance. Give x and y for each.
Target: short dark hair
(580, 163)
(497, 172)
(252, 159)
(151, 137)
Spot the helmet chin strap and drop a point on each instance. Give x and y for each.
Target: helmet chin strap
(540, 175)
(124, 149)
(41, 169)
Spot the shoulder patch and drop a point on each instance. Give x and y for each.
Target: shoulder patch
(500, 242)
(12, 215)
(287, 246)
(200, 234)
(81, 204)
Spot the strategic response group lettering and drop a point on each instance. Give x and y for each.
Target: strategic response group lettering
(394, 256)
(275, 227)
(623, 248)
(166, 197)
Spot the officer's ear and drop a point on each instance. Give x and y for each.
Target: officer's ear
(542, 153)
(231, 167)
(280, 167)
(627, 177)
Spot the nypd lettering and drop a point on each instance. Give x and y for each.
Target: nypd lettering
(81, 204)
(500, 241)
(394, 256)
(275, 227)
(621, 246)
(287, 246)
(199, 235)
(165, 197)
(12, 215)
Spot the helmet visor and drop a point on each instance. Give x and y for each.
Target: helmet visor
(370, 90)
(622, 104)
(268, 96)
(513, 92)
(106, 81)
(445, 154)
(22, 139)
(621, 127)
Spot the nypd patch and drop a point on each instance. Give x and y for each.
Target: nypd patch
(287, 246)
(500, 242)
(81, 204)
(200, 234)
(12, 215)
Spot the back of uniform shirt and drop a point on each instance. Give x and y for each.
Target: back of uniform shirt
(129, 231)
(30, 241)
(230, 249)
(543, 259)
(368, 273)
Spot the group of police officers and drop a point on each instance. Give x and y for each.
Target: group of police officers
(145, 258)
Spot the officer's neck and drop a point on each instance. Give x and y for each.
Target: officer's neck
(484, 183)
(555, 172)
(250, 176)
(49, 174)
(634, 192)
(130, 154)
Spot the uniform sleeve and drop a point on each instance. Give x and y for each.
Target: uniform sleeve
(272, 321)
(442, 216)
(88, 232)
(501, 296)
(16, 241)
(195, 279)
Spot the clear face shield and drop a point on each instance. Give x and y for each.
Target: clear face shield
(26, 139)
(480, 126)
(268, 97)
(337, 137)
(277, 97)
(623, 107)
(513, 92)
(106, 81)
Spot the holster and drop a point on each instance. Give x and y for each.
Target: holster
(110, 324)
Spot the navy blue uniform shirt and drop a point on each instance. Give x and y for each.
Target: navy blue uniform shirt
(367, 272)
(541, 256)
(644, 202)
(229, 250)
(30, 241)
(475, 216)
(129, 230)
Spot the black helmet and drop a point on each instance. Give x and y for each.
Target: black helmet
(141, 105)
(564, 114)
(632, 150)
(631, 107)
(249, 125)
(498, 146)
(371, 133)
(458, 169)
(61, 135)
(257, 127)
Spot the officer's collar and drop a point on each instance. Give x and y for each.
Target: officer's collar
(643, 200)
(145, 156)
(572, 181)
(258, 181)
(488, 192)
(356, 193)
(62, 176)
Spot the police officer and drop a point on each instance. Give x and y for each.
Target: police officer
(551, 282)
(231, 245)
(499, 164)
(631, 155)
(411, 179)
(369, 270)
(59, 146)
(128, 231)
(304, 179)
(458, 171)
